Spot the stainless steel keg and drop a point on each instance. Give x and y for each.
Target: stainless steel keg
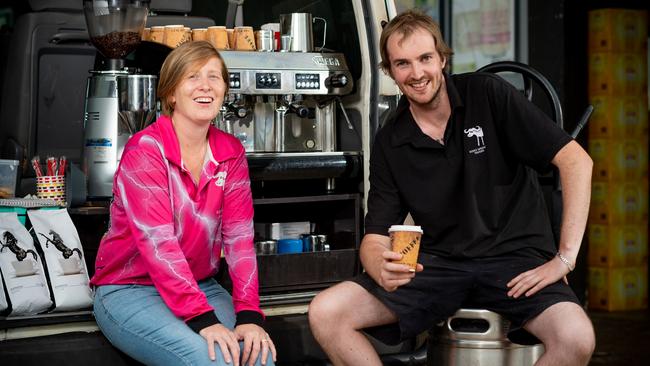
(478, 337)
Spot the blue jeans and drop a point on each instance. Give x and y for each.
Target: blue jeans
(136, 320)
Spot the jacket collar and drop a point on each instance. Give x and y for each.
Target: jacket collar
(221, 147)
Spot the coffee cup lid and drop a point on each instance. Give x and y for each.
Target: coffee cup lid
(405, 228)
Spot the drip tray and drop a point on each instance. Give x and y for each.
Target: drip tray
(284, 166)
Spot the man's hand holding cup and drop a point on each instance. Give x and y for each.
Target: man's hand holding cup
(400, 264)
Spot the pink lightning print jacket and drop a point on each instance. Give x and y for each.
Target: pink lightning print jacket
(168, 232)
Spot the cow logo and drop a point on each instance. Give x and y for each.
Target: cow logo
(221, 179)
(478, 132)
(480, 142)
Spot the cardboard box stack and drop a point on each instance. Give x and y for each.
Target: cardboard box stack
(618, 144)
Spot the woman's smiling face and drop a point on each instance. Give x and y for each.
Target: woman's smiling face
(200, 94)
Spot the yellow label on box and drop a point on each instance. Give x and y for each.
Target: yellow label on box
(617, 74)
(618, 30)
(618, 288)
(619, 160)
(618, 245)
(618, 117)
(619, 202)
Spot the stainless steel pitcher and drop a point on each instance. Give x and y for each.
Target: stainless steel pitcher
(299, 27)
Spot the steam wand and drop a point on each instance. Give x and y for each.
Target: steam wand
(345, 114)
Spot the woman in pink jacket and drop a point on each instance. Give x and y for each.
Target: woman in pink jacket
(181, 197)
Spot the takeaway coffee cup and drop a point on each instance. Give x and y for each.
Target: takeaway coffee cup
(218, 36)
(157, 34)
(174, 35)
(199, 34)
(244, 39)
(405, 240)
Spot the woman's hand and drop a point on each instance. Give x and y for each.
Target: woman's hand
(255, 339)
(226, 339)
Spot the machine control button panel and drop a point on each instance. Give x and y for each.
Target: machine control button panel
(268, 80)
(307, 81)
(235, 80)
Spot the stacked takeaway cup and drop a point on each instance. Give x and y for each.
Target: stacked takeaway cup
(242, 38)
(218, 36)
(176, 35)
(199, 34)
(157, 34)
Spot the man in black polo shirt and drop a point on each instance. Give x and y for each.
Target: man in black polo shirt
(457, 155)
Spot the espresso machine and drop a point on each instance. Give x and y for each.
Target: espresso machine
(284, 102)
(119, 100)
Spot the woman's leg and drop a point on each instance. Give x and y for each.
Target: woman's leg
(136, 320)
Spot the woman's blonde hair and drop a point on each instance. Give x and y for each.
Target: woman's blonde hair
(406, 23)
(182, 60)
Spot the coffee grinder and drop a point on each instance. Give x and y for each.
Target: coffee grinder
(119, 100)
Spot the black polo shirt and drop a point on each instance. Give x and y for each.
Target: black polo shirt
(476, 195)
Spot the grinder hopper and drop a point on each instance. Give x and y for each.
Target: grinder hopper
(115, 26)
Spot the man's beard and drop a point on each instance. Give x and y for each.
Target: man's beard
(434, 100)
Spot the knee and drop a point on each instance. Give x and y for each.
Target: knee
(585, 343)
(579, 342)
(324, 310)
(320, 309)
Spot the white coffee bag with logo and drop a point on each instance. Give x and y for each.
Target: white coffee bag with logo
(22, 268)
(64, 256)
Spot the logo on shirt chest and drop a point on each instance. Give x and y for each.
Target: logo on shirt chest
(476, 132)
(220, 179)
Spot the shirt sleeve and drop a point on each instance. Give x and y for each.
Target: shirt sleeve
(237, 233)
(385, 207)
(530, 134)
(142, 185)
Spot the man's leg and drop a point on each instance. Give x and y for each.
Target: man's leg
(336, 317)
(567, 334)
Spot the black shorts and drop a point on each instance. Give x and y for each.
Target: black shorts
(447, 285)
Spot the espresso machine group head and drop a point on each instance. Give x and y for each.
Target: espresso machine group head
(119, 101)
(284, 101)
